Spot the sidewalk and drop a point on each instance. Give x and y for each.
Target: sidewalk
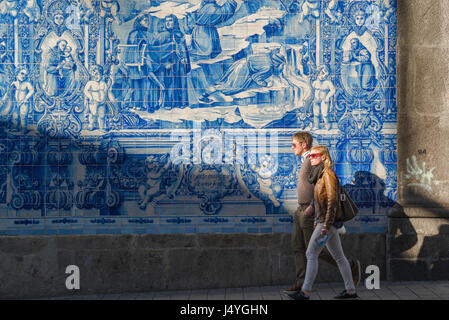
(418, 290)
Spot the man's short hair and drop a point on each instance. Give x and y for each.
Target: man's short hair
(304, 137)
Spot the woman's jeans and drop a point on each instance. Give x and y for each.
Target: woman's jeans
(333, 244)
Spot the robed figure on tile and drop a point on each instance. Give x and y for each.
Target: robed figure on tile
(169, 52)
(205, 38)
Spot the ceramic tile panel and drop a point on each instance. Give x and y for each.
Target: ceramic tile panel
(177, 116)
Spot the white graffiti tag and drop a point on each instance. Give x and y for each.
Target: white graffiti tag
(424, 176)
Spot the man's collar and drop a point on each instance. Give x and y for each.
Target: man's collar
(305, 154)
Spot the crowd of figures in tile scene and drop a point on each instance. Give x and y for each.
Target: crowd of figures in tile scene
(177, 116)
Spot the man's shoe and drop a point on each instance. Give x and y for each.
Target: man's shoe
(345, 295)
(299, 295)
(292, 289)
(355, 270)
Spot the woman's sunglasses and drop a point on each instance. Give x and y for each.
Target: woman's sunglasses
(315, 155)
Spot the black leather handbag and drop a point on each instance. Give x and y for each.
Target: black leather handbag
(348, 207)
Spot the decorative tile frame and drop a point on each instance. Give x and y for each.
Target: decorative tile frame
(177, 116)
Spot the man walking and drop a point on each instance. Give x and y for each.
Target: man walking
(302, 223)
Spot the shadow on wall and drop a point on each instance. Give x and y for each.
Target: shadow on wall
(412, 254)
(368, 191)
(422, 253)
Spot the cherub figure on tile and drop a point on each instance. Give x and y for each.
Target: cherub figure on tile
(23, 91)
(151, 190)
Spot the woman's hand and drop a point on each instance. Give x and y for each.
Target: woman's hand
(323, 231)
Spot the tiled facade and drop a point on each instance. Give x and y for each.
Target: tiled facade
(177, 116)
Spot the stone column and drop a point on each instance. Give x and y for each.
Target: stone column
(418, 236)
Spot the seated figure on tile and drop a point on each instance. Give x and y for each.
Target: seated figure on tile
(248, 73)
(361, 71)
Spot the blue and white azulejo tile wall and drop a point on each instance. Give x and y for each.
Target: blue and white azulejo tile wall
(177, 116)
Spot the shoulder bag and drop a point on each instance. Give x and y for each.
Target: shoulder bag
(348, 207)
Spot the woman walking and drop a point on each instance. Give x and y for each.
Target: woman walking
(327, 212)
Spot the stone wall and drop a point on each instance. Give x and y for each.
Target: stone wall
(419, 227)
(35, 266)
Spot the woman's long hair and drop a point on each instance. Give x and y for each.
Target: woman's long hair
(325, 152)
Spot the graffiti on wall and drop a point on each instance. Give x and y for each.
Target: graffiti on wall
(96, 98)
(419, 175)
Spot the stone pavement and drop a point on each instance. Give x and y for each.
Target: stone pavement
(419, 290)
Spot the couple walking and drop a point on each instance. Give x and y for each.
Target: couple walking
(316, 218)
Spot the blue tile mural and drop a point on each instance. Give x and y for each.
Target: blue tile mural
(177, 116)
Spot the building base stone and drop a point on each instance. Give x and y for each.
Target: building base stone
(418, 244)
(35, 266)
